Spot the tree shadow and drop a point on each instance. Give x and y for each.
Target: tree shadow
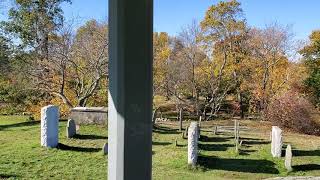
(214, 139)
(305, 153)
(214, 147)
(182, 145)
(238, 165)
(254, 142)
(22, 124)
(306, 167)
(251, 139)
(246, 152)
(165, 130)
(161, 143)
(7, 176)
(77, 149)
(88, 137)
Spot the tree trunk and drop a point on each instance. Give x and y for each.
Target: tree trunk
(241, 105)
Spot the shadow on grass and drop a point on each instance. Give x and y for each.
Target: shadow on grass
(214, 139)
(7, 176)
(214, 147)
(89, 137)
(238, 165)
(165, 130)
(161, 143)
(246, 152)
(306, 167)
(252, 139)
(305, 153)
(254, 142)
(77, 149)
(22, 124)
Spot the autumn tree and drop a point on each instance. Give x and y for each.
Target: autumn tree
(311, 55)
(269, 48)
(223, 25)
(161, 51)
(192, 54)
(77, 65)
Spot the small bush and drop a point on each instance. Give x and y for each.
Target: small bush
(292, 111)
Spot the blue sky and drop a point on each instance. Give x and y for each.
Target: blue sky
(171, 15)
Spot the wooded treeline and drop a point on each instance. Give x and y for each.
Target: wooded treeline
(220, 64)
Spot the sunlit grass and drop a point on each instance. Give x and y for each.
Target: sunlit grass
(22, 157)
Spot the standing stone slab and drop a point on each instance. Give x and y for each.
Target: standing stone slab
(276, 141)
(193, 143)
(71, 128)
(288, 159)
(50, 126)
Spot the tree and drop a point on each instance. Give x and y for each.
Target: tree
(32, 22)
(192, 54)
(77, 65)
(162, 51)
(311, 54)
(222, 26)
(269, 48)
(5, 52)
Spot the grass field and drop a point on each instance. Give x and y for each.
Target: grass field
(21, 156)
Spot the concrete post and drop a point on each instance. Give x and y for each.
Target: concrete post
(130, 89)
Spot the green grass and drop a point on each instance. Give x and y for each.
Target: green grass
(21, 156)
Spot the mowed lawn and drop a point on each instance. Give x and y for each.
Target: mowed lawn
(21, 156)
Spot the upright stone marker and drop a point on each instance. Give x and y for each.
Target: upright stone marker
(276, 141)
(288, 158)
(193, 136)
(71, 128)
(50, 126)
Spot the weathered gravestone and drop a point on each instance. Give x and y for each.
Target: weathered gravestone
(50, 126)
(71, 128)
(276, 141)
(193, 136)
(89, 115)
(288, 158)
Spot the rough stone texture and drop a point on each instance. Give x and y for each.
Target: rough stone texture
(193, 131)
(105, 149)
(276, 141)
(89, 115)
(50, 126)
(71, 128)
(288, 159)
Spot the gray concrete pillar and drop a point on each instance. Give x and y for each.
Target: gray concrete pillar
(130, 89)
